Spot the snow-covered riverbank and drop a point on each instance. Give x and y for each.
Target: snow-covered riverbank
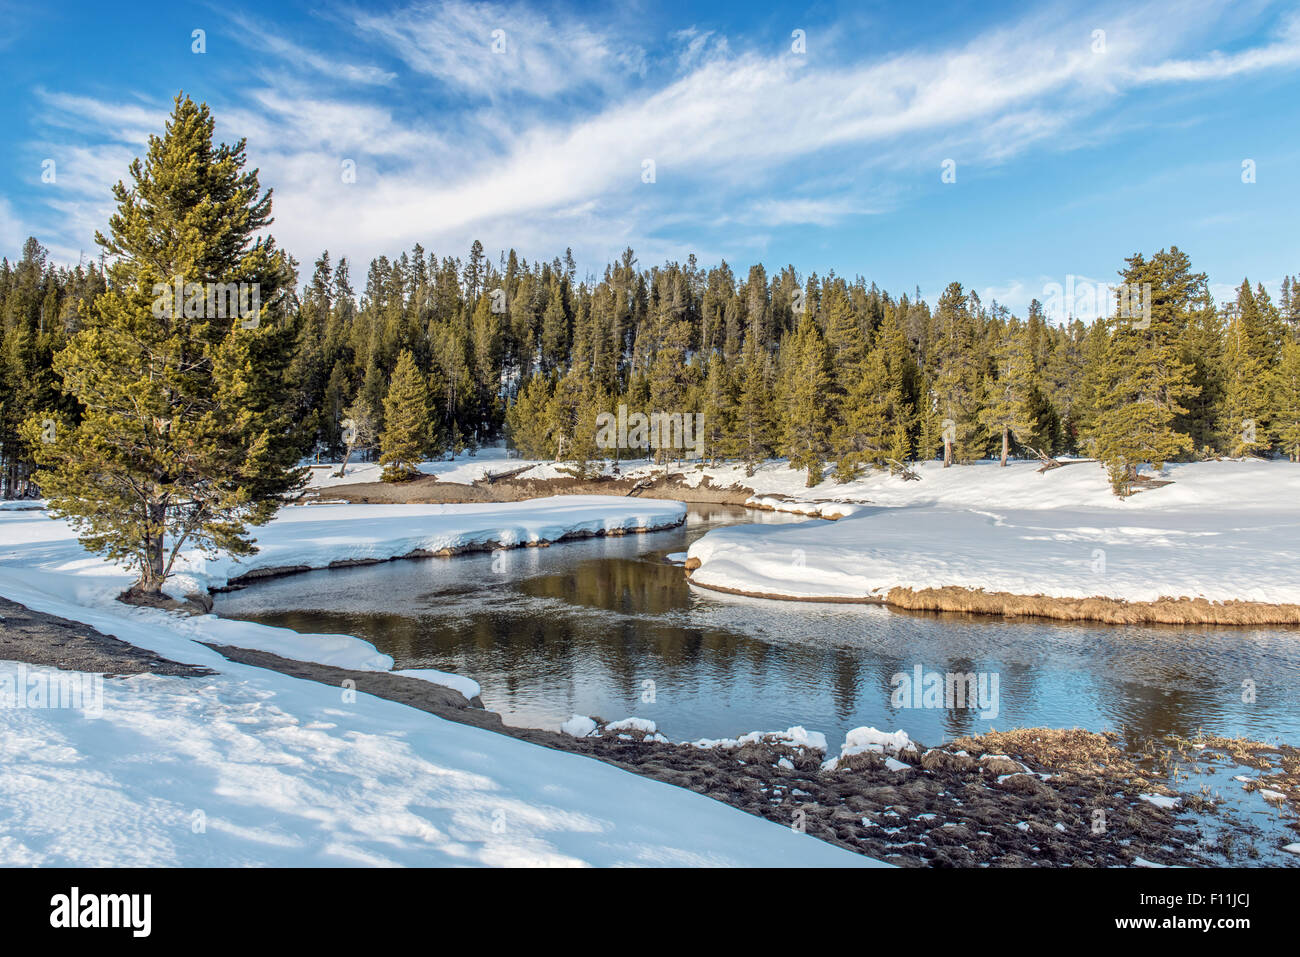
(250, 766)
(978, 537)
(1223, 531)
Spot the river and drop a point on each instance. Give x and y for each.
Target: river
(609, 627)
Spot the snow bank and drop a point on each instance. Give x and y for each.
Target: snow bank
(254, 768)
(316, 535)
(644, 725)
(1224, 530)
(814, 509)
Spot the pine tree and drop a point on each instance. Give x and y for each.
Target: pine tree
(406, 422)
(957, 378)
(752, 422)
(1007, 408)
(1286, 400)
(1248, 362)
(359, 427)
(486, 341)
(671, 376)
(186, 437)
(717, 405)
(1201, 349)
(575, 407)
(555, 330)
(528, 420)
(1142, 383)
(806, 433)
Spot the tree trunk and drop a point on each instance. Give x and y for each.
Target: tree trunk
(947, 453)
(1005, 447)
(148, 589)
(343, 468)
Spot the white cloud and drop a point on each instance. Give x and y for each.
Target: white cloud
(1283, 53)
(257, 35)
(493, 49)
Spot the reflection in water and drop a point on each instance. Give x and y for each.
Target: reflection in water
(592, 627)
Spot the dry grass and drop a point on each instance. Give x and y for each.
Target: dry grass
(1166, 611)
(1064, 750)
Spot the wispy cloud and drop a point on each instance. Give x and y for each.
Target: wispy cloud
(491, 49)
(1283, 53)
(259, 37)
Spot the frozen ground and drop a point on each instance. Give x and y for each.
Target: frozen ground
(254, 767)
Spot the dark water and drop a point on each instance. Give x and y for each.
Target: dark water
(584, 627)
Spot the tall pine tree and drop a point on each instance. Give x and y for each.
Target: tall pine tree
(186, 437)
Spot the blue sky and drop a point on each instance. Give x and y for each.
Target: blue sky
(1071, 148)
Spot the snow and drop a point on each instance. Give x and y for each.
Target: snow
(464, 469)
(579, 726)
(644, 725)
(466, 686)
(1161, 800)
(253, 767)
(1223, 530)
(796, 737)
(863, 740)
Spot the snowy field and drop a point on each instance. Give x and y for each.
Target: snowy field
(1223, 530)
(254, 767)
(465, 469)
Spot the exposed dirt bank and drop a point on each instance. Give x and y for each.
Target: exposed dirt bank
(40, 639)
(1111, 611)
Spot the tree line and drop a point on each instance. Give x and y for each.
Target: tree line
(438, 355)
(835, 375)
